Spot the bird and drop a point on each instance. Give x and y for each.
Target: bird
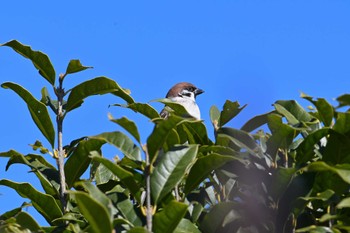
(184, 93)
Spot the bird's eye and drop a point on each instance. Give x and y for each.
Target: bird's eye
(187, 93)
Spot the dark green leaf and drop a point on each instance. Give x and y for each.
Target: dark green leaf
(95, 213)
(255, 122)
(40, 60)
(122, 142)
(26, 221)
(325, 110)
(171, 169)
(126, 177)
(229, 111)
(345, 203)
(127, 209)
(196, 133)
(128, 125)
(344, 100)
(169, 218)
(37, 110)
(45, 204)
(79, 161)
(342, 170)
(145, 109)
(160, 132)
(280, 180)
(137, 230)
(96, 86)
(342, 124)
(202, 167)
(75, 66)
(186, 226)
(305, 150)
(214, 220)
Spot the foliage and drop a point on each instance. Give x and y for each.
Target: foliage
(293, 178)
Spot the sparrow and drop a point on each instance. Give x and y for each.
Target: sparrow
(185, 94)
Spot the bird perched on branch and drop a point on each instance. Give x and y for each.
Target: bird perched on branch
(184, 93)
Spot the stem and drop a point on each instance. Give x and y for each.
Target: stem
(60, 157)
(148, 192)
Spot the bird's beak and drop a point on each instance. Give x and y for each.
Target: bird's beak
(198, 91)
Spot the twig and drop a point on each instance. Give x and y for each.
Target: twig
(148, 191)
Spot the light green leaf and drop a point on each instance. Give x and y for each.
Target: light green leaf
(37, 110)
(214, 114)
(127, 209)
(79, 161)
(176, 107)
(325, 110)
(345, 203)
(96, 86)
(40, 60)
(293, 111)
(342, 123)
(128, 125)
(122, 142)
(45, 204)
(255, 122)
(26, 221)
(229, 111)
(342, 170)
(171, 169)
(95, 213)
(202, 167)
(169, 218)
(75, 66)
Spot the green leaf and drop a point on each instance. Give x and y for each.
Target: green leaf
(160, 132)
(186, 226)
(325, 110)
(179, 109)
(229, 111)
(45, 204)
(96, 86)
(128, 210)
(79, 161)
(342, 123)
(280, 180)
(196, 133)
(293, 111)
(40, 60)
(344, 100)
(122, 142)
(168, 219)
(37, 110)
(255, 122)
(137, 230)
(305, 150)
(214, 220)
(345, 203)
(145, 109)
(128, 125)
(202, 167)
(26, 221)
(75, 66)
(342, 170)
(282, 134)
(95, 213)
(126, 177)
(171, 169)
(214, 114)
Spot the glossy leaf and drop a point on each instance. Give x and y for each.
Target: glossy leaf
(79, 161)
(293, 111)
(196, 133)
(126, 177)
(202, 167)
(122, 142)
(40, 60)
(344, 100)
(128, 125)
(168, 219)
(342, 123)
(229, 111)
(96, 86)
(128, 210)
(37, 110)
(26, 221)
(75, 66)
(160, 132)
(45, 204)
(345, 203)
(171, 169)
(179, 109)
(95, 213)
(145, 109)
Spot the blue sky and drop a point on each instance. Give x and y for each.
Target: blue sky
(254, 52)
